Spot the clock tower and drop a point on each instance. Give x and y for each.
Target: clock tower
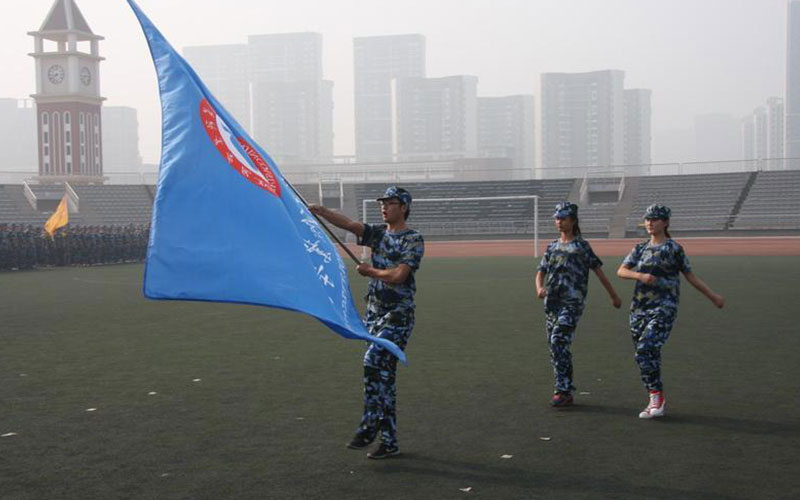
(68, 97)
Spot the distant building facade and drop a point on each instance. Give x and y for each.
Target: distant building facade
(121, 140)
(749, 138)
(792, 102)
(760, 132)
(292, 104)
(18, 138)
(224, 69)
(426, 170)
(583, 119)
(377, 60)
(638, 132)
(435, 118)
(763, 133)
(294, 120)
(506, 129)
(274, 87)
(285, 57)
(776, 127)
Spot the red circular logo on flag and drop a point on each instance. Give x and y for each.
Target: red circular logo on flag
(253, 168)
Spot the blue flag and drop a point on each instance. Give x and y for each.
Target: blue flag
(227, 227)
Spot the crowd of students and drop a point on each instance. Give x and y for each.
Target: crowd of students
(24, 246)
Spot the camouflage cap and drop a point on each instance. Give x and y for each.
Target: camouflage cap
(396, 192)
(565, 209)
(657, 211)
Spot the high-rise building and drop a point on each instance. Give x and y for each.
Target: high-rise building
(18, 135)
(285, 57)
(121, 140)
(292, 104)
(435, 118)
(638, 135)
(377, 60)
(763, 133)
(273, 86)
(760, 129)
(67, 96)
(294, 120)
(506, 129)
(775, 127)
(223, 69)
(583, 119)
(749, 138)
(792, 102)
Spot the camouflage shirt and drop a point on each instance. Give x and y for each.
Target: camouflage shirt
(566, 267)
(388, 251)
(665, 262)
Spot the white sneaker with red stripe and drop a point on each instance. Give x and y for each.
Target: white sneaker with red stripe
(656, 407)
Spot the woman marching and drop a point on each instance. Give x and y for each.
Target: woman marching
(561, 281)
(655, 265)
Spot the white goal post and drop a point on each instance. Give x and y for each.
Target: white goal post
(533, 197)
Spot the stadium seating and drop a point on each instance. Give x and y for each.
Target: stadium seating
(702, 202)
(15, 208)
(98, 204)
(476, 217)
(115, 205)
(309, 192)
(745, 201)
(595, 218)
(773, 203)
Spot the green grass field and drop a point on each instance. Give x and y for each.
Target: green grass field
(278, 395)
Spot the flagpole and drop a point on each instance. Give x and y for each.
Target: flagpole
(336, 238)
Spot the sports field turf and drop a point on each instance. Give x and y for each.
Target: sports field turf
(254, 403)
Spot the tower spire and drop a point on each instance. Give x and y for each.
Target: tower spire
(65, 18)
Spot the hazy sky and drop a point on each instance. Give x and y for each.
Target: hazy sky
(697, 56)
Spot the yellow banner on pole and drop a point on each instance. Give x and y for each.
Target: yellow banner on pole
(60, 218)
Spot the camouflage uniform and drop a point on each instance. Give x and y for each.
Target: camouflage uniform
(5, 247)
(15, 247)
(390, 315)
(61, 244)
(654, 308)
(566, 267)
(29, 242)
(142, 236)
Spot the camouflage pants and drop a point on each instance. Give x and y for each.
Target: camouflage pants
(649, 331)
(561, 321)
(380, 367)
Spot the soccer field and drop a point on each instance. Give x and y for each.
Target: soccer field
(220, 401)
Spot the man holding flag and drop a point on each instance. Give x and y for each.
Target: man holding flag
(396, 254)
(266, 246)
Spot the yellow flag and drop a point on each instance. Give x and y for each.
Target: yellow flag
(60, 218)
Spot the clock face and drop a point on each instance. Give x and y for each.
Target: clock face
(55, 74)
(86, 76)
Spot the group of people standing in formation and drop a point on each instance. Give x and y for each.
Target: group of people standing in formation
(561, 281)
(23, 246)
